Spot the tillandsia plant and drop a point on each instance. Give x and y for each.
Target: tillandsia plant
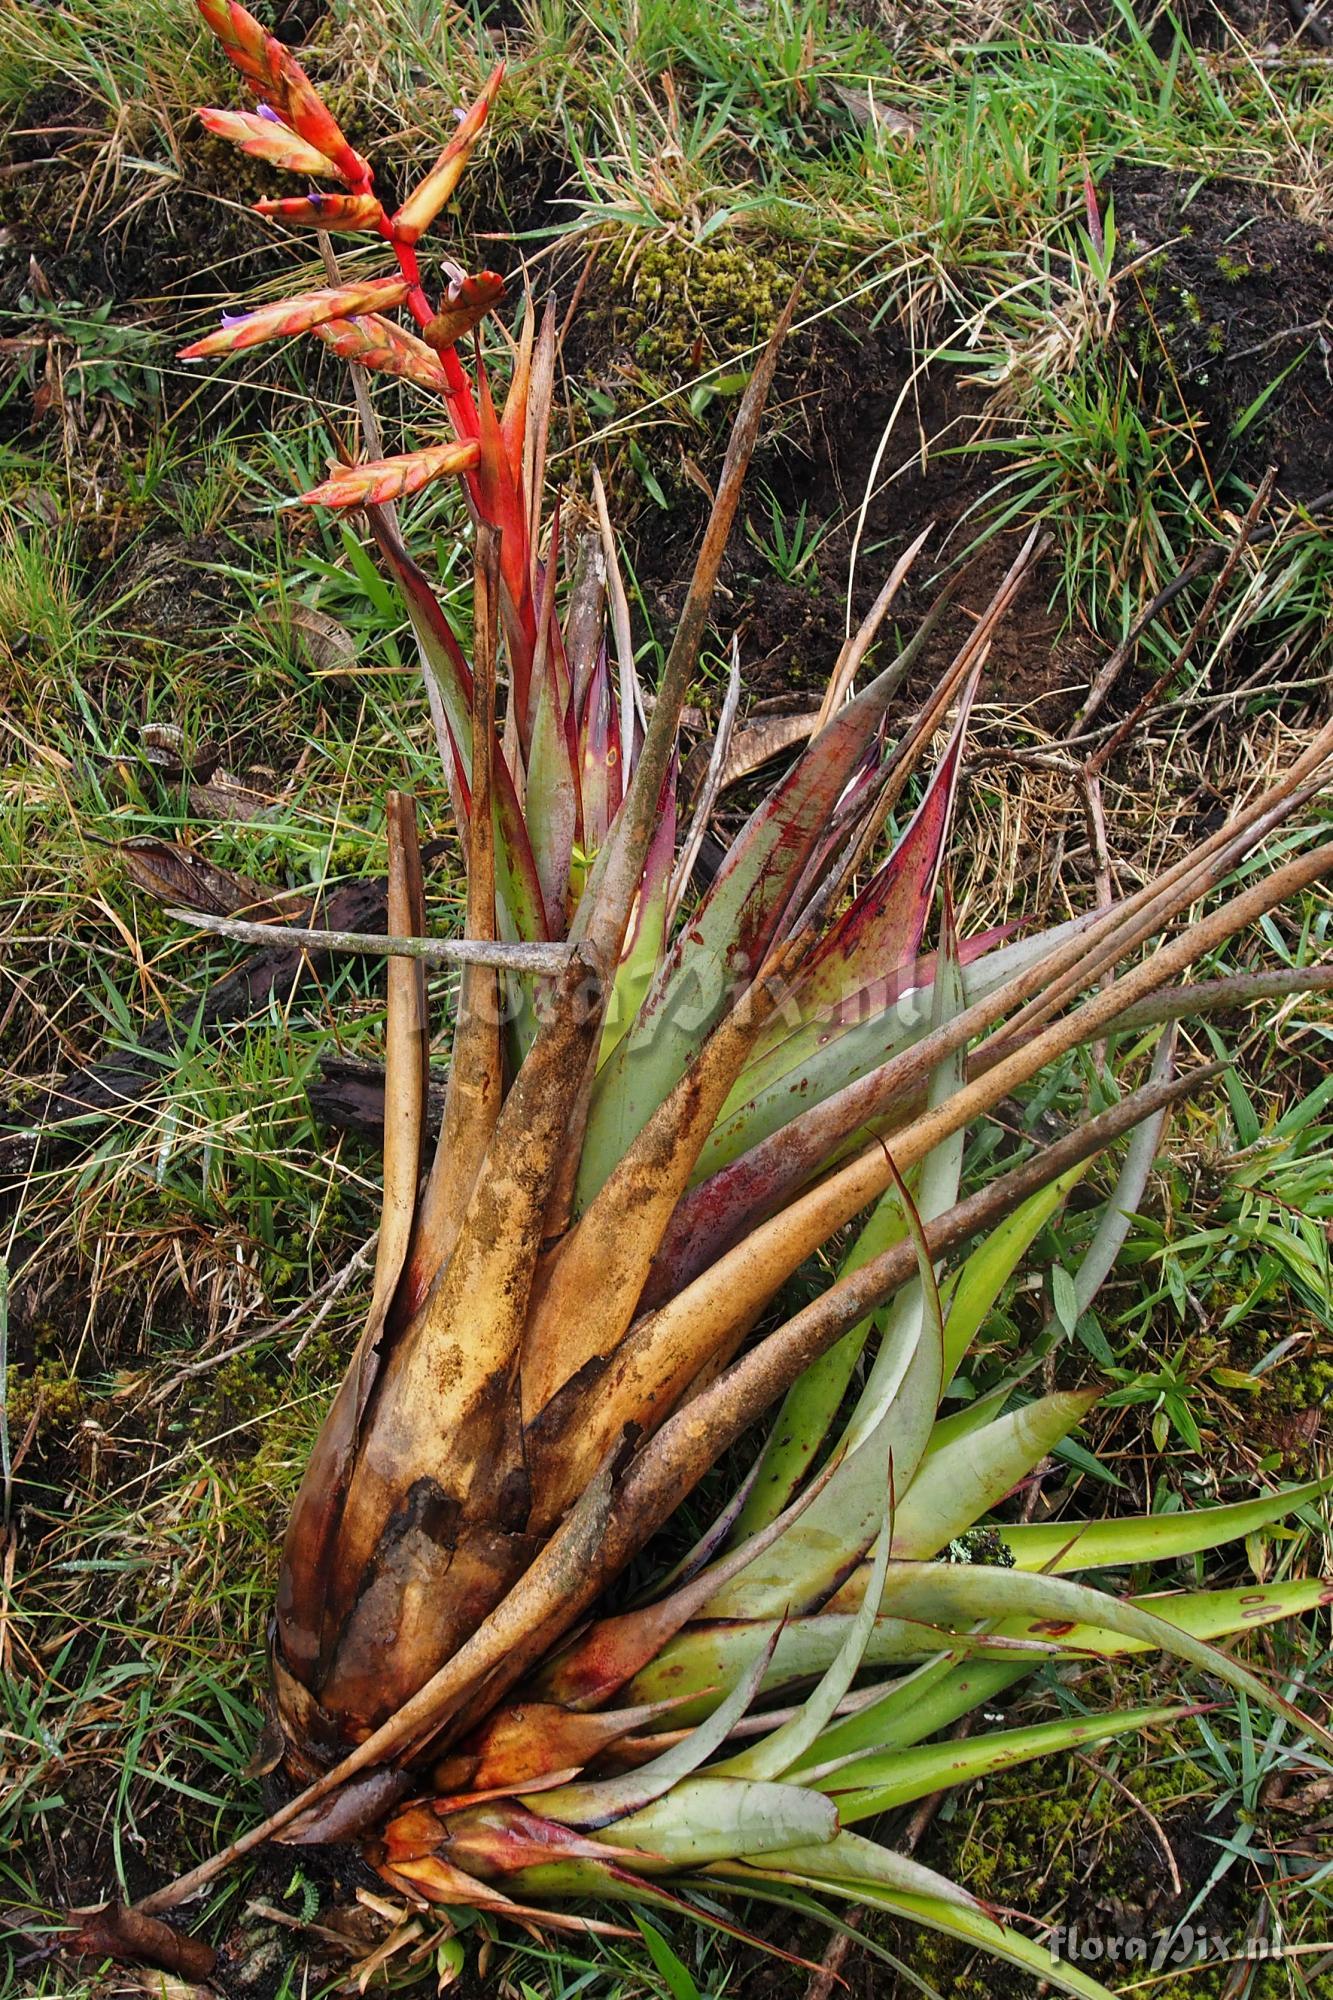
(661, 1106)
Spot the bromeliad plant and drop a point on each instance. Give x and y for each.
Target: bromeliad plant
(578, 1306)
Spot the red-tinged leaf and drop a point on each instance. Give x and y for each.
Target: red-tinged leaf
(437, 1881)
(554, 807)
(267, 139)
(466, 304)
(381, 479)
(723, 944)
(298, 315)
(532, 1739)
(789, 1055)
(500, 503)
(325, 211)
(381, 344)
(552, 804)
(514, 416)
(856, 803)
(797, 1125)
(430, 195)
(599, 755)
(527, 446)
(550, 657)
(519, 887)
(879, 935)
(500, 1839)
(434, 635)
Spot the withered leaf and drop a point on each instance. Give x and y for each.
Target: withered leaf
(320, 641)
(750, 747)
(225, 797)
(177, 875)
(164, 746)
(128, 1935)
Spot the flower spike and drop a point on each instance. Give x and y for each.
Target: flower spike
(382, 344)
(382, 479)
(267, 138)
(429, 196)
(297, 315)
(325, 211)
(277, 79)
(466, 304)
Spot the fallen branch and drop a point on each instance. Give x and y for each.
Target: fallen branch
(538, 958)
(110, 1088)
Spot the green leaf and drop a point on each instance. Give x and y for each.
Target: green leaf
(598, 1802)
(885, 1437)
(812, 1403)
(1060, 1546)
(676, 1976)
(811, 1064)
(956, 1486)
(972, 1417)
(878, 1783)
(917, 1705)
(1064, 1298)
(971, 1928)
(784, 1746)
(721, 1819)
(986, 1271)
(850, 1858)
(956, 1591)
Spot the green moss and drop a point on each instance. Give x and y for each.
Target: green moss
(240, 1391)
(727, 293)
(983, 1546)
(1040, 1838)
(1233, 270)
(48, 1391)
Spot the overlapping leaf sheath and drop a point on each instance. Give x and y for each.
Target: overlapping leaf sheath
(582, 1305)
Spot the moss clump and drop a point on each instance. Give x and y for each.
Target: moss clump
(1233, 270)
(47, 1391)
(240, 1392)
(725, 293)
(983, 1546)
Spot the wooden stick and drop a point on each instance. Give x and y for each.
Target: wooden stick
(538, 958)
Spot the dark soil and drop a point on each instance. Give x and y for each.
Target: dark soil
(1239, 297)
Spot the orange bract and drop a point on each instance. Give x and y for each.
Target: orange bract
(381, 479)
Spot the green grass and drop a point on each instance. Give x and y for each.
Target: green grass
(150, 575)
